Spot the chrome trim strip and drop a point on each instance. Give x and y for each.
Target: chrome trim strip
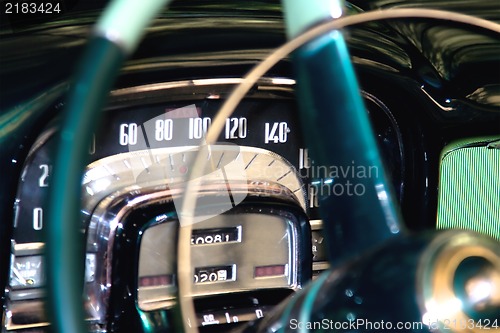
(27, 249)
(316, 224)
(266, 82)
(33, 308)
(320, 266)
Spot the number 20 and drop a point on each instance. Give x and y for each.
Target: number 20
(43, 180)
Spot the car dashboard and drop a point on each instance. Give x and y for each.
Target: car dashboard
(431, 88)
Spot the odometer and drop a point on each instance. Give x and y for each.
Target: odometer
(214, 274)
(247, 259)
(211, 236)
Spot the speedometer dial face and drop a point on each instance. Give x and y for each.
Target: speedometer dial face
(134, 138)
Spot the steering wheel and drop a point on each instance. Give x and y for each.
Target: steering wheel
(430, 262)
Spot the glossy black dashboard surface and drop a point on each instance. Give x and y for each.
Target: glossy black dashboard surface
(426, 83)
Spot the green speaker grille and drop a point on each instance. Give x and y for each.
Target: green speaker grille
(469, 190)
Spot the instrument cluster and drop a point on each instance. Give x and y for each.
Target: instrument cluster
(257, 227)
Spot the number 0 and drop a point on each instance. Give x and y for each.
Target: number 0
(38, 218)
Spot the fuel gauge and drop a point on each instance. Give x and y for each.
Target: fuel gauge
(27, 272)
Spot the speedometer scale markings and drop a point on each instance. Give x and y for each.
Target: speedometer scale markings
(259, 166)
(253, 158)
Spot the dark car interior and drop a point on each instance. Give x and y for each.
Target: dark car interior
(317, 206)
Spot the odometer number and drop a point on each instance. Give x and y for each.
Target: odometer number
(214, 274)
(216, 235)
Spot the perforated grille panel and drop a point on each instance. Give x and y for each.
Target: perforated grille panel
(469, 191)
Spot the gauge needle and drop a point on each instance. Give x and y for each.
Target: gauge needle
(19, 276)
